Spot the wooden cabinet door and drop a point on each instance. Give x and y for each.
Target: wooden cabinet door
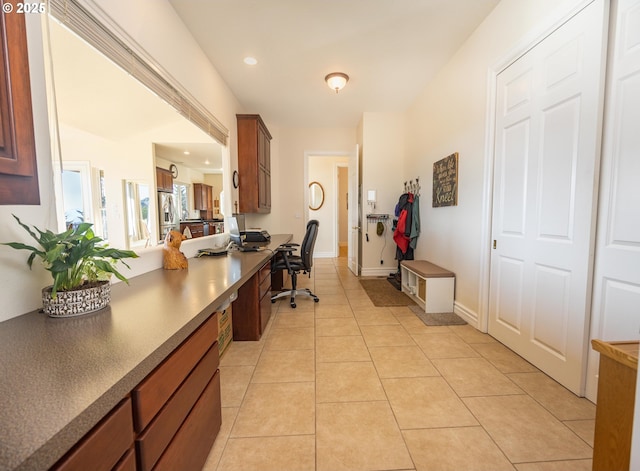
(18, 166)
(202, 197)
(254, 164)
(164, 180)
(103, 447)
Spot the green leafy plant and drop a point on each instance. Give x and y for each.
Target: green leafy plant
(74, 257)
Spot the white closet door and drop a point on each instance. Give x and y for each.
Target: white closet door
(616, 300)
(548, 121)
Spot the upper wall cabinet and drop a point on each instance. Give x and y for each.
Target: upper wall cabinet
(18, 168)
(164, 180)
(254, 164)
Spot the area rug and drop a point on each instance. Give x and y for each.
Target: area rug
(439, 318)
(382, 293)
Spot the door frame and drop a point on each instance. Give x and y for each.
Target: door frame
(307, 156)
(556, 19)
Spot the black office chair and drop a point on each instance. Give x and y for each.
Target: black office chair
(285, 260)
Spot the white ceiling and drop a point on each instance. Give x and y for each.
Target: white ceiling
(390, 49)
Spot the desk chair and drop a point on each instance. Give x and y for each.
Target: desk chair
(285, 260)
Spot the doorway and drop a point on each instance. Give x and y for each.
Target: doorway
(323, 171)
(343, 210)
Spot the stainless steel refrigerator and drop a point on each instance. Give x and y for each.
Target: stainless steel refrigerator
(168, 216)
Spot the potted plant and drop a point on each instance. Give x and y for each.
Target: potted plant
(80, 265)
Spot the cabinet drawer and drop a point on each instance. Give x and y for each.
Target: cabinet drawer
(265, 287)
(158, 435)
(102, 448)
(265, 272)
(127, 463)
(265, 312)
(191, 445)
(151, 395)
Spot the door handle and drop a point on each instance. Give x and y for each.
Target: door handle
(495, 244)
(355, 228)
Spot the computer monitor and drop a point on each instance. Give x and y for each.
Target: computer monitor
(241, 224)
(234, 233)
(236, 237)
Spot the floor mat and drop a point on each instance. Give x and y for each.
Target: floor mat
(439, 318)
(382, 293)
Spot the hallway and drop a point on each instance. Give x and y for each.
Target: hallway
(343, 385)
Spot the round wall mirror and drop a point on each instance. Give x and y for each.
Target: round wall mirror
(316, 196)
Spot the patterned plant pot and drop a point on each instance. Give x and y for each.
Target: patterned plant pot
(76, 302)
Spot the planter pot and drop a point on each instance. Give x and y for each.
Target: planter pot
(78, 301)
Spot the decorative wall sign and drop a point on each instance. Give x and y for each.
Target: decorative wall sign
(445, 181)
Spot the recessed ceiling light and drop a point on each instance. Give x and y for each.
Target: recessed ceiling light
(206, 162)
(186, 152)
(250, 60)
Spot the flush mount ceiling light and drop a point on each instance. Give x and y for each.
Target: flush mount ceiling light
(336, 80)
(250, 60)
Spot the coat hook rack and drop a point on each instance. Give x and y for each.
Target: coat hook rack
(411, 187)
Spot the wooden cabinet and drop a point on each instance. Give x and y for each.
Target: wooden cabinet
(152, 394)
(164, 180)
(18, 165)
(198, 229)
(252, 309)
(203, 197)
(254, 164)
(177, 409)
(107, 446)
(616, 400)
(172, 417)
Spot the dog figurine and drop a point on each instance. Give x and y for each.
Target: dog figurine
(174, 259)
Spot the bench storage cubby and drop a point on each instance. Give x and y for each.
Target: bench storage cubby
(430, 286)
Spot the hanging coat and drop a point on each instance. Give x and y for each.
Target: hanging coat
(401, 235)
(415, 222)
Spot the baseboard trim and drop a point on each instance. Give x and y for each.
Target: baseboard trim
(324, 255)
(467, 314)
(382, 271)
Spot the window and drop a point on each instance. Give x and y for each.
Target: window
(181, 196)
(76, 193)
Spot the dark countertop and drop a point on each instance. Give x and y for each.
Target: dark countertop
(59, 377)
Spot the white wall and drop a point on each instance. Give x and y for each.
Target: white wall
(450, 116)
(383, 151)
(288, 188)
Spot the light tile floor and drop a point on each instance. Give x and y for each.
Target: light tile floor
(343, 385)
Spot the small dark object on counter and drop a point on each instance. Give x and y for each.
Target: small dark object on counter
(212, 252)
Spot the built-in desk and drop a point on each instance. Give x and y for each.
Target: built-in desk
(61, 377)
(615, 405)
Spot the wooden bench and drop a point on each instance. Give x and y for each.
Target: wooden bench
(429, 285)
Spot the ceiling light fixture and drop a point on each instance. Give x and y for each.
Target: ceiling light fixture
(336, 80)
(250, 60)
(186, 152)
